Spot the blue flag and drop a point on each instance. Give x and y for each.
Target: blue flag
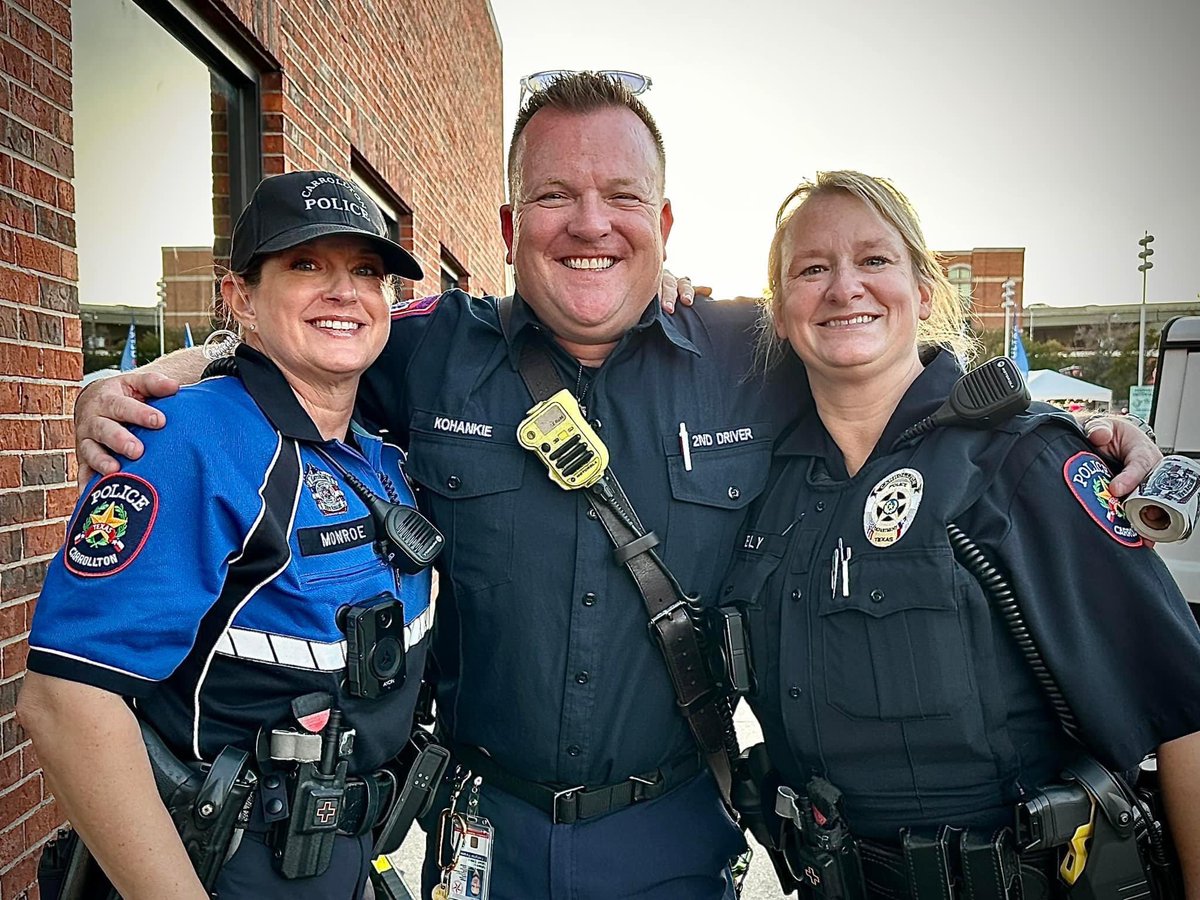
(129, 357)
(1018, 352)
(187, 335)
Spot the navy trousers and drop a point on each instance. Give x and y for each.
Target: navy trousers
(249, 875)
(676, 847)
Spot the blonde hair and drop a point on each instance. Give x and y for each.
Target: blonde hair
(947, 323)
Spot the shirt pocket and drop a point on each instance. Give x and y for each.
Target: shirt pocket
(710, 498)
(471, 493)
(896, 648)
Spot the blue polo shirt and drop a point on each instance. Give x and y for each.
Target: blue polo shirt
(541, 647)
(205, 579)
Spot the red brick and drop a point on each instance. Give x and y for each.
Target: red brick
(58, 434)
(62, 57)
(17, 881)
(21, 434)
(16, 508)
(51, 85)
(16, 62)
(31, 35)
(60, 503)
(41, 256)
(34, 182)
(10, 472)
(43, 469)
(14, 620)
(43, 823)
(41, 399)
(41, 327)
(12, 662)
(66, 196)
(43, 539)
(70, 265)
(54, 14)
(20, 287)
(10, 323)
(16, 212)
(10, 773)
(13, 842)
(72, 332)
(54, 155)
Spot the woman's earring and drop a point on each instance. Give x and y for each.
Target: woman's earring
(220, 344)
(253, 327)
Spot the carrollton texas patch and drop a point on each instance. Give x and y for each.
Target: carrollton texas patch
(1087, 476)
(891, 506)
(325, 490)
(111, 526)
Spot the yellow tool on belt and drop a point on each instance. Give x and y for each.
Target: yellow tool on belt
(557, 431)
(1076, 856)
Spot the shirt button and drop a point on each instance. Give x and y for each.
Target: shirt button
(597, 424)
(589, 599)
(582, 677)
(574, 750)
(877, 596)
(734, 493)
(796, 595)
(820, 506)
(454, 482)
(591, 513)
(794, 692)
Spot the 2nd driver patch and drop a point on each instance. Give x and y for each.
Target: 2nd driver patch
(111, 526)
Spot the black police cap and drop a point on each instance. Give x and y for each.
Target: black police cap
(290, 209)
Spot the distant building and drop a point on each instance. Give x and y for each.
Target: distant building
(1066, 324)
(979, 277)
(187, 287)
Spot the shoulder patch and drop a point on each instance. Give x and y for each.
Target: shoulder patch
(1087, 476)
(112, 525)
(418, 306)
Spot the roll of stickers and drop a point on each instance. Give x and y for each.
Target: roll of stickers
(1173, 488)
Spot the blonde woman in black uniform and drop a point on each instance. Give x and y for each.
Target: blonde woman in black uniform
(881, 664)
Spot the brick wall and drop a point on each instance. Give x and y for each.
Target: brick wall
(40, 366)
(990, 266)
(413, 88)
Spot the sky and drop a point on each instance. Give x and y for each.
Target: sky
(1068, 127)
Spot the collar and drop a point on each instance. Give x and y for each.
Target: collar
(269, 389)
(808, 437)
(524, 323)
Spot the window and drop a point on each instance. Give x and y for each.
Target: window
(396, 214)
(960, 277)
(167, 151)
(453, 274)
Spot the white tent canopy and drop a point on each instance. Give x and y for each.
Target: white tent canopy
(1048, 385)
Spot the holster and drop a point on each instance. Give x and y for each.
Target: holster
(753, 796)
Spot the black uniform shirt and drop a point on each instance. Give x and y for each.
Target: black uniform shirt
(541, 640)
(892, 675)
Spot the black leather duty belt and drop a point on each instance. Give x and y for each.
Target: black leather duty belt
(367, 801)
(888, 876)
(567, 805)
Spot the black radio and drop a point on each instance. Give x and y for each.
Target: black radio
(374, 632)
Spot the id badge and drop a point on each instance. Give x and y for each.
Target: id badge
(471, 876)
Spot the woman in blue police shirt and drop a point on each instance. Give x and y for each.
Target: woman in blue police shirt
(203, 581)
(880, 664)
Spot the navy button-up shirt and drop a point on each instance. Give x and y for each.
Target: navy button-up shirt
(543, 654)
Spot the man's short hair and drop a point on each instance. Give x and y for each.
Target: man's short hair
(580, 92)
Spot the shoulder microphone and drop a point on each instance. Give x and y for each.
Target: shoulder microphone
(985, 396)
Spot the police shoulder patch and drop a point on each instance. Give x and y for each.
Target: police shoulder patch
(111, 527)
(418, 306)
(1087, 476)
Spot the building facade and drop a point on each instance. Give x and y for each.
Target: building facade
(979, 277)
(132, 132)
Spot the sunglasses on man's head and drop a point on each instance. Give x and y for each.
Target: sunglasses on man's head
(539, 81)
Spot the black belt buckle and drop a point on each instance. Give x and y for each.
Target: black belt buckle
(569, 800)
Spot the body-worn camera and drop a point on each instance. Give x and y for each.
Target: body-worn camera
(374, 632)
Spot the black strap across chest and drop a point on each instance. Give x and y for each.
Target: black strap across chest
(704, 705)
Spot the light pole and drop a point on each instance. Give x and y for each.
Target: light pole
(1145, 267)
(1009, 291)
